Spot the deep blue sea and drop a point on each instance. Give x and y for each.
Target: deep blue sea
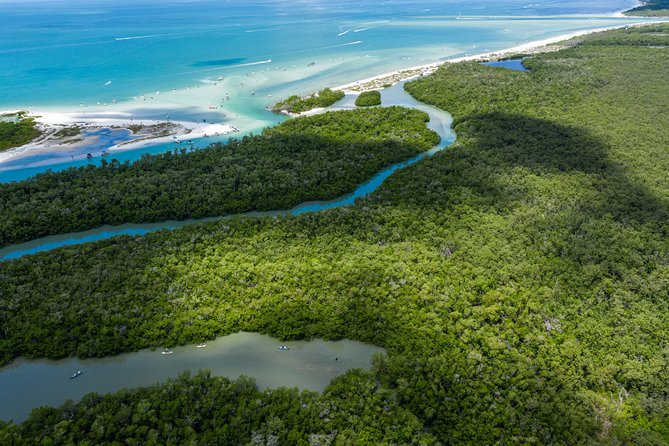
(69, 53)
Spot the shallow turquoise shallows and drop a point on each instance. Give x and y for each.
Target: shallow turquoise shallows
(57, 53)
(440, 122)
(512, 64)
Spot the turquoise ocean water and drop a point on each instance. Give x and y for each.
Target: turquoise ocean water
(62, 53)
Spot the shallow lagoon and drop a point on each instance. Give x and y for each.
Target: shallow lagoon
(98, 141)
(309, 365)
(511, 64)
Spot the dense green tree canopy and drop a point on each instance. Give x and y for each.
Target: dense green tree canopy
(519, 281)
(297, 104)
(312, 158)
(200, 410)
(368, 99)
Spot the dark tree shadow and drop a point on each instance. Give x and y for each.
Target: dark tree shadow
(493, 146)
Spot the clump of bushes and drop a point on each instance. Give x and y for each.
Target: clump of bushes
(15, 134)
(368, 99)
(297, 104)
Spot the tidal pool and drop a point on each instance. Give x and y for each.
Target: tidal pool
(511, 64)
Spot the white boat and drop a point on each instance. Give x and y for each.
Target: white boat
(201, 345)
(166, 352)
(76, 375)
(283, 347)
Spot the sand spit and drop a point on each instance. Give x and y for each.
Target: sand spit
(63, 132)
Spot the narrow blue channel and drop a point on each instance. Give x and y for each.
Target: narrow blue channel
(440, 122)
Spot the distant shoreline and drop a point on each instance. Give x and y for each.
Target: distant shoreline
(538, 46)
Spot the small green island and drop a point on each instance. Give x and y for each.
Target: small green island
(297, 104)
(368, 99)
(518, 280)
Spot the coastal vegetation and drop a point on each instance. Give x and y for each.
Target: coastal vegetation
(68, 132)
(519, 281)
(368, 99)
(17, 133)
(201, 410)
(305, 159)
(155, 130)
(651, 8)
(297, 104)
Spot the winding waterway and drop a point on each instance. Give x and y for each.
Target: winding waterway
(26, 384)
(309, 365)
(226, 61)
(440, 122)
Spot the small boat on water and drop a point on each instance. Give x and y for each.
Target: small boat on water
(283, 347)
(76, 375)
(166, 352)
(201, 345)
(105, 153)
(89, 156)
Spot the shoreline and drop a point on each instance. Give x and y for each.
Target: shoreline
(623, 13)
(537, 46)
(143, 133)
(119, 116)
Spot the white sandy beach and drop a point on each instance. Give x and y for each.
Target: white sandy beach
(537, 46)
(150, 132)
(204, 107)
(197, 111)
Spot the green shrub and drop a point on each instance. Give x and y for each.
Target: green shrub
(296, 104)
(368, 99)
(15, 134)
